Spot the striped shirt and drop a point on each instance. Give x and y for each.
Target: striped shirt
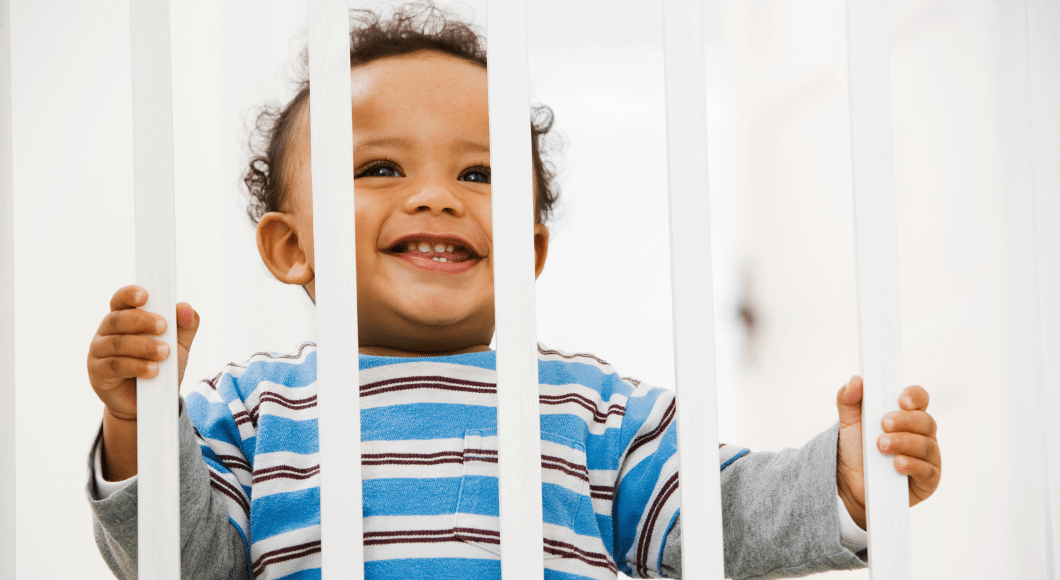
(429, 465)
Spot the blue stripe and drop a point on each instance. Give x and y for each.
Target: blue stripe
(424, 421)
(434, 568)
(283, 512)
(312, 574)
(637, 490)
(410, 497)
(743, 452)
(283, 434)
(483, 360)
(295, 375)
(213, 420)
(557, 575)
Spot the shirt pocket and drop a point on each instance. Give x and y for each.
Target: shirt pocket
(564, 483)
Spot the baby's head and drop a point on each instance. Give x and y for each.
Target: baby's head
(422, 183)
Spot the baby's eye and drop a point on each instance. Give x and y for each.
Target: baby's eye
(476, 175)
(380, 169)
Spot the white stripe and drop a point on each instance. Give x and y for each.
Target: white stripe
(518, 419)
(692, 287)
(7, 306)
(1043, 18)
(336, 283)
(879, 317)
(156, 400)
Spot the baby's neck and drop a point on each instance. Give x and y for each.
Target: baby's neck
(390, 351)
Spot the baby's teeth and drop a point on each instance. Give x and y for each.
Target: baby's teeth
(424, 247)
(442, 260)
(439, 247)
(450, 248)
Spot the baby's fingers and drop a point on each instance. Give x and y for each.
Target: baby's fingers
(914, 398)
(132, 321)
(912, 446)
(910, 422)
(128, 345)
(130, 296)
(924, 477)
(114, 368)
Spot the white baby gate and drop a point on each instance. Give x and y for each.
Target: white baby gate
(518, 418)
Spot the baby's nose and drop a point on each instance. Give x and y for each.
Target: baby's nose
(435, 199)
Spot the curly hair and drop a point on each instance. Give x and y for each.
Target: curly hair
(407, 29)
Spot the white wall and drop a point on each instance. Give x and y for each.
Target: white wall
(782, 217)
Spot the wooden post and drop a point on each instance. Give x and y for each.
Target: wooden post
(338, 400)
(7, 306)
(1043, 24)
(879, 316)
(518, 416)
(156, 399)
(692, 288)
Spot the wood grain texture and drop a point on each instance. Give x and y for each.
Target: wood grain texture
(692, 288)
(156, 399)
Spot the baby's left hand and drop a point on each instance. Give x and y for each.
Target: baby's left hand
(908, 434)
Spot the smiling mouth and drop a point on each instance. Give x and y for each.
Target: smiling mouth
(434, 250)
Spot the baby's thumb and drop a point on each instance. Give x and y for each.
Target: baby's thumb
(187, 325)
(848, 401)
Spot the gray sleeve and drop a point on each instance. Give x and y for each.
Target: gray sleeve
(211, 547)
(779, 515)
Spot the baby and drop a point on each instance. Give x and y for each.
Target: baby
(250, 503)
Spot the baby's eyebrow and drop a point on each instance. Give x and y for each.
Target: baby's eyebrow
(472, 147)
(385, 142)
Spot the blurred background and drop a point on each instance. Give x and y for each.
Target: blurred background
(781, 231)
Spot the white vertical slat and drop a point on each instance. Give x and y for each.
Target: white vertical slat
(7, 306)
(879, 317)
(156, 399)
(338, 388)
(692, 288)
(518, 418)
(1043, 20)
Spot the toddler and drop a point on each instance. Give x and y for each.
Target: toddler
(250, 502)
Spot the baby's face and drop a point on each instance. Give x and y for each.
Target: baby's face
(422, 183)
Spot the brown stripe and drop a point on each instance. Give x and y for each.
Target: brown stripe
(232, 461)
(414, 462)
(571, 356)
(284, 554)
(273, 356)
(432, 378)
(588, 404)
(480, 451)
(602, 492)
(225, 487)
(570, 472)
(646, 533)
(668, 416)
(436, 386)
(592, 558)
(293, 404)
(575, 466)
(411, 455)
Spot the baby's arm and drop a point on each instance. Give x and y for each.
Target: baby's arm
(780, 516)
(211, 547)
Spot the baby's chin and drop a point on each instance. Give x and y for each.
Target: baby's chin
(433, 330)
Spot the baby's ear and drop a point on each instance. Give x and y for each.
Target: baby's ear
(540, 248)
(281, 249)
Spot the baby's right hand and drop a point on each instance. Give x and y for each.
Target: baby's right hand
(119, 354)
